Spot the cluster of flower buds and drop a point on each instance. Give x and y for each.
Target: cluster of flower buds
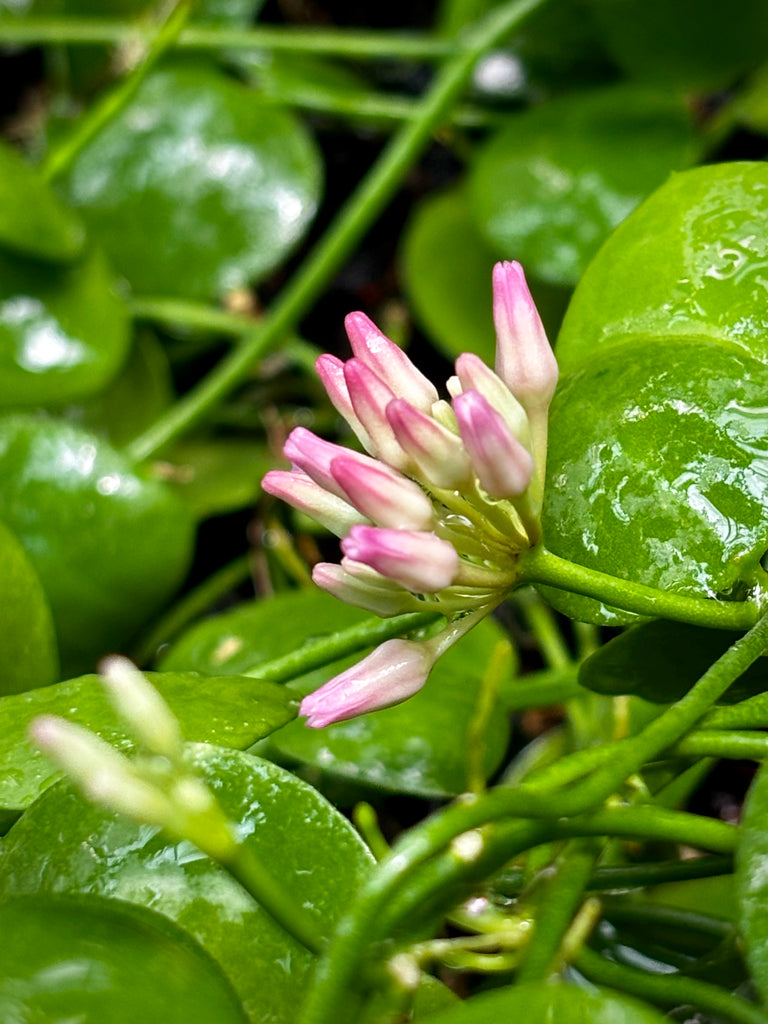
(157, 786)
(437, 514)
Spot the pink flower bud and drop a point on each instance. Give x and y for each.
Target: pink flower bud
(524, 358)
(503, 466)
(330, 370)
(362, 587)
(370, 398)
(474, 375)
(393, 672)
(298, 490)
(382, 494)
(313, 456)
(389, 362)
(437, 452)
(421, 562)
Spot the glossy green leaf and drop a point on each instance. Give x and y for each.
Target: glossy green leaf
(28, 655)
(447, 270)
(219, 475)
(33, 220)
(660, 661)
(131, 401)
(658, 471)
(752, 880)
(232, 711)
(544, 1003)
(418, 747)
(549, 188)
(94, 960)
(690, 262)
(199, 186)
(64, 845)
(63, 330)
(688, 43)
(109, 542)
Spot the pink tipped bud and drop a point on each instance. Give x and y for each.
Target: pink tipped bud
(503, 466)
(370, 398)
(436, 451)
(395, 671)
(474, 375)
(524, 358)
(362, 587)
(313, 456)
(298, 490)
(419, 561)
(330, 370)
(389, 362)
(382, 494)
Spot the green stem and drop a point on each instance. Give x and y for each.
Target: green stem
(541, 621)
(354, 219)
(669, 989)
(286, 909)
(541, 690)
(421, 844)
(558, 903)
(332, 42)
(667, 917)
(541, 566)
(735, 746)
(98, 116)
(325, 650)
(198, 315)
(630, 876)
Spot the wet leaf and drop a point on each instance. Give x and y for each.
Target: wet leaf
(95, 960)
(63, 330)
(199, 187)
(232, 711)
(62, 844)
(109, 543)
(550, 186)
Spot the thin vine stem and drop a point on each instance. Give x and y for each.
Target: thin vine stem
(342, 963)
(366, 45)
(98, 116)
(354, 219)
(669, 989)
(542, 566)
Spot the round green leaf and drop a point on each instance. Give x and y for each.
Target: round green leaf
(117, 412)
(93, 960)
(660, 661)
(688, 43)
(690, 262)
(539, 1003)
(752, 880)
(63, 330)
(199, 187)
(447, 269)
(658, 471)
(109, 542)
(419, 747)
(550, 187)
(33, 220)
(233, 711)
(62, 844)
(28, 655)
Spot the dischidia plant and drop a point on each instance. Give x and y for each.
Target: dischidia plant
(489, 764)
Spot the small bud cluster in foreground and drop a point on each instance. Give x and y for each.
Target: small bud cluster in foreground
(436, 515)
(157, 786)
